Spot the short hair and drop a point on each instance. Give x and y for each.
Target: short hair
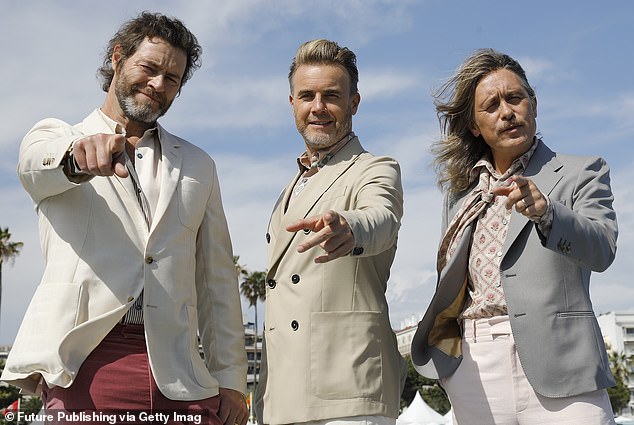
(459, 150)
(326, 52)
(149, 25)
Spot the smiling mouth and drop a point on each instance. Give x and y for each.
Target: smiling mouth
(320, 123)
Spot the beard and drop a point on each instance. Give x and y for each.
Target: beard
(137, 111)
(322, 141)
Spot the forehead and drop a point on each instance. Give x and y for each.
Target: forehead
(500, 80)
(320, 76)
(161, 53)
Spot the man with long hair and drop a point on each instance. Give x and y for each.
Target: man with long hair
(510, 331)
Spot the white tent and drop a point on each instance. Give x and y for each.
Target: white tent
(419, 413)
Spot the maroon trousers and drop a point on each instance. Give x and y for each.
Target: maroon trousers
(116, 380)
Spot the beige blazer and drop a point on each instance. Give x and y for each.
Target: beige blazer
(545, 279)
(99, 255)
(329, 348)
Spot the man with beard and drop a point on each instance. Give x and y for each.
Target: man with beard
(139, 262)
(329, 352)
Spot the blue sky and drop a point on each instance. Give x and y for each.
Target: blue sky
(577, 55)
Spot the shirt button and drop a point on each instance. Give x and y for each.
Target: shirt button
(294, 325)
(499, 253)
(357, 251)
(149, 259)
(130, 299)
(504, 221)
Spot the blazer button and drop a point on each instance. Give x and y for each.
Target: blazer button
(307, 231)
(294, 325)
(271, 283)
(295, 278)
(149, 259)
(357, 250)
(268, 238)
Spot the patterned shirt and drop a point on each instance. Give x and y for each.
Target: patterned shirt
(486, 295)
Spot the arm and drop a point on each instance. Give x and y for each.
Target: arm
(586, 230)
(371, 225)
(44, 151)
(219, 308)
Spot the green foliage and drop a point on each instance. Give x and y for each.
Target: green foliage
(429, 390)
(619, 394)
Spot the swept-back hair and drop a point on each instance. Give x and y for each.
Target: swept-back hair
(150, 25)
(326, 52)
(458, 150)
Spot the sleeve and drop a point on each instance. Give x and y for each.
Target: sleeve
(378, 207)
(586, 230)
(219, 308)
(42, 157)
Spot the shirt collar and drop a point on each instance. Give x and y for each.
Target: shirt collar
(321, 157)
(117, 128)
(517, 167)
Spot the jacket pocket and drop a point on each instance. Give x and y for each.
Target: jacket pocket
(345, 355)
(192, 203)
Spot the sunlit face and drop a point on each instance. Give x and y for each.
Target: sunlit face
(504, 116)
(149, 80)
(322, 104)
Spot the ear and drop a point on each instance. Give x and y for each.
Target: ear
(116, 57)
(290, 99)
(356, 99)
(475, 131)
(535, 107)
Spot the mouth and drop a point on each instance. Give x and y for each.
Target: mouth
(510, 128)
(320, 123)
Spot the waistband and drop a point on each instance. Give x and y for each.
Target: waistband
(487, 327)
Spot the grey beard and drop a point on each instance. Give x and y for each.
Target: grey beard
(138, 113)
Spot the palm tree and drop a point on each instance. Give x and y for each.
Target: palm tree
(253, 289)
(8, 251)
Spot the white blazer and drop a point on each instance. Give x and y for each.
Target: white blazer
(99, 256)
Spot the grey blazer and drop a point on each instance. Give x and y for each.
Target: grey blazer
(545, 280)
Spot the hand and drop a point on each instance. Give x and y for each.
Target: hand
(233, 407)
(101, 155)
(333, 235)
(526, 197)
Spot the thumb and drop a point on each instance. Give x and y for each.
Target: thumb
(118, 165)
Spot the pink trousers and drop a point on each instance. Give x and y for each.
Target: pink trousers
(490, 387)
(116, 380)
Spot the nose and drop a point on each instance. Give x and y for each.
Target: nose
(318, 104)
(157, 83)
(506, 112)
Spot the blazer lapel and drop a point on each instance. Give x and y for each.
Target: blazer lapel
(543, 169)
(301, 206)
(171, 163)
(123, 187)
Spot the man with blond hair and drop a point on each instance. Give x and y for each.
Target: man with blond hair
(330, 354)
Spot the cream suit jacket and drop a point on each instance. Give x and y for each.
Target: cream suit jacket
(99, 255)
(545, 279)
(329, 348)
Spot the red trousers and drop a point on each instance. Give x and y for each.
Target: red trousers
(116, 380)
